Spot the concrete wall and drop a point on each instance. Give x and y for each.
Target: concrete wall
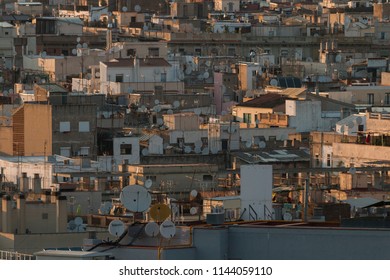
(156, 145)
(83, 203)
(305, 116)
(256, 191)
(218, 237)
(134, 157)
(6, 140)
(281, 133)
(272, 243)
(359, 153)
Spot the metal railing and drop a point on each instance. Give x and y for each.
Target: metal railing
(9, 255)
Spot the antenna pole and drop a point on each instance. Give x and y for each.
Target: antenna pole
(306, 196)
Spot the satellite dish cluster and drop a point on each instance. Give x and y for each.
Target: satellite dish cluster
(136, 198)
(76, 225)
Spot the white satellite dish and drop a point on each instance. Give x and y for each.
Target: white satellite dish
(193, 210)
(287, 216)
(359, 120)
(193, 193)
(167, 229)
(10, 91)
(248, 144)
(152, 229)
(74, 51)
(160, 121)
(43, 54)
(338, 58)
(273, 82)
(116, 228)
(176, 104)
(187, 149)
(157, 108)
(124, 9)
(208, 63)
(188, 70)
(135, 198)
(206, 75)
(352, 170)
(137, 8)
(145, 152)
(197, 150)
(205, 151)
(169, 112)
(78, 221)
(85, 45)
(148, 183)
(79, 46)
(156, 101)
(198, 111)
(198, 143)
(262, 144)
(97, 74)
(71, 226)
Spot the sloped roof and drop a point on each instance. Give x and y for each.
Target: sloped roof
(143, 62)
(269, 100)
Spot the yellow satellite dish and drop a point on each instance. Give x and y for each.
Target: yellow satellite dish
(159, 212)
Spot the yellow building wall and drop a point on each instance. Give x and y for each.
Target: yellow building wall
(37, 130)
(6, 140)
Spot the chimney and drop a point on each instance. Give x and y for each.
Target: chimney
(21, 212)
(61, 214)
(6, 208)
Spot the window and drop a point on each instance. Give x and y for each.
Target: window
(256, 119)
(328, 160)
(180, 142)
(205, 141)
(119, 78)
(45, 216)
(126, 149)
(387, 98)
(154, 52)
(207, 178)
(231, 51)
(84, 151)
(84, 126)
(370, 98)
(64, 126)
(198, 51)
(272, 138)
(131, 52)
(65, 151)
(247, 118)
(254, 73)
(163, 77)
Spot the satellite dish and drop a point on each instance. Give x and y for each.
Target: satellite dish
(338, 58)
(167, 229)
(148, 183)
(78, 221)
(262, 144)
(71, 226)
(198, 143)
(206, 75)
(193, 210)
(198, 111)
(188, 70)
(74, 51)
(169, 112)
(273, 82)
(160, 121)
(197, 150)
(359, 120)
(159, 212)
(10, 91)
(97, 74)
(156, 101)
(135, 198)
(287, 216)
(248, 144)
(85, 45)
(205, 151)
(231, 129)
(193, 193)
(124, 9)
(78, 39)
(152, 229)
(350, 124)
(116, 228)
(352, 170)
(157, 109)
(176, 104)
(137, 8)
(79, 46)
(309, 59)
(43, 54)
(208, 63)
(145, 152)
(187, 149)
